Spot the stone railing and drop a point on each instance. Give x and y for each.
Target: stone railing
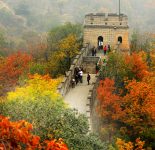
(91, 99)
(92, 102)
(64, 86)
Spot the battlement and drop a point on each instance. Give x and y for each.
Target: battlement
(109, 20)
(102, 29)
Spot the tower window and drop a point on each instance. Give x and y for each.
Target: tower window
(105, 23)
(119, 39)
(100, 42)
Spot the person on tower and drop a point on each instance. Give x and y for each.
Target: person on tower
(105, 49)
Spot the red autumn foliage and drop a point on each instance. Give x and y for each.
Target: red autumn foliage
(109, 101)
(139, 104)
(14, 135)
(17, 135)
(11, 68)
(137, 65)
(56, 145)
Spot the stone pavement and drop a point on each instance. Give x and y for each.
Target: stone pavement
(77, 97)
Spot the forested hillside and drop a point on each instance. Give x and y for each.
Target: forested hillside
(41, 51)
(45, 14)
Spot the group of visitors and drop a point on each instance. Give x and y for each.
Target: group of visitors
(106, 49)
(78, 71)
(78, 76)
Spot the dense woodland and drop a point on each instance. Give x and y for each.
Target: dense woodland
(37, 48)
(35, 116)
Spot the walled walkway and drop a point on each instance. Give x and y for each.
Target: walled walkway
(77, 97)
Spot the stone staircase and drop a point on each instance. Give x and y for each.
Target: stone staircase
(82, 97)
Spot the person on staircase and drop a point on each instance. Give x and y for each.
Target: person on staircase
(93, 51)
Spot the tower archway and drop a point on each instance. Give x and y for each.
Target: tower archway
(100, 42)
(119, 39)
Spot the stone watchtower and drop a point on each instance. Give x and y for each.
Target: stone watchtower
(101, 29)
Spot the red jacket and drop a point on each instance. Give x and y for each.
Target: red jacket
(105, 48)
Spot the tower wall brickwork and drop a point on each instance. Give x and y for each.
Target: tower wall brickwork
(110, 27)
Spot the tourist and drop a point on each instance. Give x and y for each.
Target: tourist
(93, 52)
(109, 48)
(105, 49)
(76, 79)
(88, 78)
(97, 68)
(100, 45)
(80, 74)
(81, 68)
(73, 82)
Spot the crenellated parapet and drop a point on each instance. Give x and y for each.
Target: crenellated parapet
(107, 29)
(66, 83)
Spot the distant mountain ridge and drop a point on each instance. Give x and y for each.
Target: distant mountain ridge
(9, 20)
(42, 15)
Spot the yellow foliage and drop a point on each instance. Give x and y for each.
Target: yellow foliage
(122, 145)
(61, 59)
(69, 46)
(37, 86)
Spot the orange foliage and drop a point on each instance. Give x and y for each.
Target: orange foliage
(122, 145)
(16, 135)
(56, 145)
(139, 144)
(139, 104)
(11, 68)
(134, 112)
(109, 102)
(138, 67)
(150, 80)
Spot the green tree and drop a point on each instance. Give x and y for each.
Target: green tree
(116, 69)
(61, 60)
(39, 103)
(59, 33)
(69, 47)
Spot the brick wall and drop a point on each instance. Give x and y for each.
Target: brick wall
(110, 36)
(109, 27)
